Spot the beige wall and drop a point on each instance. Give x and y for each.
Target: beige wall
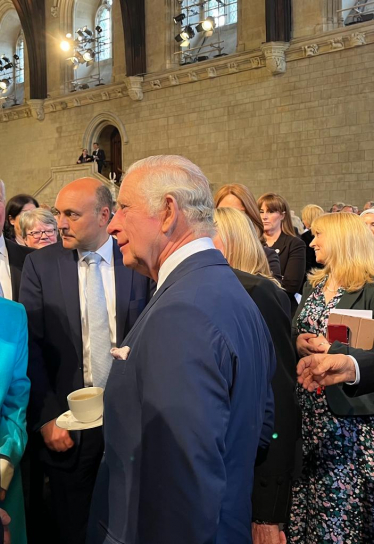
(308, 134)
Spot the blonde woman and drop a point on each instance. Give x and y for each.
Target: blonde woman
(280, 235)
(238, 196)
(333, 501)
(38, 228)
(308, 215)
(237, 239)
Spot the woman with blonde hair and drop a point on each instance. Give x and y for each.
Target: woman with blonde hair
(238, 196)
(280, 235)
(308, 214)
(236, 238)
(334, 498)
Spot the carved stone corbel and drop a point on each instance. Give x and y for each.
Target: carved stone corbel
(356, 39)
(134, 85)
(37, 108)
(275, 56)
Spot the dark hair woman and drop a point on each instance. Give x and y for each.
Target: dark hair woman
(15, 206)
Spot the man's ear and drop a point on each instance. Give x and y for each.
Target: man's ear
(169, 215)
(105, 215)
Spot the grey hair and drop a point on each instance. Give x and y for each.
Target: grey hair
(370, 210)
(179, 177)
(28, 219)
(371, 202)
(2, 191)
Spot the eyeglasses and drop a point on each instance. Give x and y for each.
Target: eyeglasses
(37, 234)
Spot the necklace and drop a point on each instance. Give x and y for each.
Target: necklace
(331, 290)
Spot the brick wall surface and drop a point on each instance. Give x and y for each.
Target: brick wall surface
(307, 134)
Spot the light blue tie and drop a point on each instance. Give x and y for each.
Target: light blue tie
(98, 322)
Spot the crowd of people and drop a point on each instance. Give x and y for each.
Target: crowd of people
(228, 415)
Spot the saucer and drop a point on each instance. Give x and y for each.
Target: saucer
(68, 422)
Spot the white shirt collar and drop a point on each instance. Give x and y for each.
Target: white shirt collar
(3, 249)
(106, 251)
(201, 244)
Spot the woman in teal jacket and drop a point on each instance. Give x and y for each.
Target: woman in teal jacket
(14, 397)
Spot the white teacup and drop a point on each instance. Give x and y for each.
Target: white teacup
(86, 404)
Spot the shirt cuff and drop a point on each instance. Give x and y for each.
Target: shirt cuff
(357, 368)
(6, 473)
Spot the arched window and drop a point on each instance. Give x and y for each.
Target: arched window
(103, 24)
(20, 63)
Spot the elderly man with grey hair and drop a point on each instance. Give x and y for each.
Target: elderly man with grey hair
(368, 217)
(186, 398)
(12, 257)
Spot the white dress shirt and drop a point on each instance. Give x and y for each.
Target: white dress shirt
(6, 282)
(107, 273)
(201, 244)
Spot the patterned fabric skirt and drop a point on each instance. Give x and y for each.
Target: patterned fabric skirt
(333, 501)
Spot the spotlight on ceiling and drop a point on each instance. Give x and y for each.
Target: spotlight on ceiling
(89, 55)
(87, 31)
(65, 45)
(4, 84)
(207, 25)
(179, 18)
(98, 29)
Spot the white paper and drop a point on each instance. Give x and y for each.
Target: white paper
(364, 314)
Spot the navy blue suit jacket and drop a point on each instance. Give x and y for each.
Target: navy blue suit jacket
(50, 294)
(184, 413)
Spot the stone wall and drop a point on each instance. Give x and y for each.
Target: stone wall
(308, 133)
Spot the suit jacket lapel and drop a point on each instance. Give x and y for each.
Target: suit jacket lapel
(123, 286)
(348, 299)
(68, 270)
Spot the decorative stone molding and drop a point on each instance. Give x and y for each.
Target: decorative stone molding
(37, 108)
(134, 86)
(156, 84)
(311, 50)
(105, 95)
(275, 55)
(212, 72)
(337, 43)
(174, 79)
(54, 11)
(357, 38)
(233, 67)
(192, 76)
(256, 62)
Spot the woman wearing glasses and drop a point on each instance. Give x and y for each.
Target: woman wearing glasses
(38, 228)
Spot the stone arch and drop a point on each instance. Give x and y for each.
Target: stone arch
(97, 125)
(5, 6)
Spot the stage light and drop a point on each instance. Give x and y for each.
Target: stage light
(207, 25)
(5, 58)
(65, 46)
(98, 29)
(8, 66)
(88, 55)
(16, 57)
(4, 84)
(69, 36)
(185, 43)
(87, 31)
(187, 33)
(179, 18)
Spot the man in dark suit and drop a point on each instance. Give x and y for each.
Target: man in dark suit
(12, 257)
(98, 156)
(56, 289)
(184, 413)
(275, 465)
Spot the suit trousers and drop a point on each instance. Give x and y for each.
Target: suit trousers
(71, 490)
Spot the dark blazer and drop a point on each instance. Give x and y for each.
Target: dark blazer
(311, 262)
(339, 402)
(275, 465)
(50, 294)
(365, 360)
(184, 413)
(87, 158)
(292, 256)
(274, 263)
(17, 255)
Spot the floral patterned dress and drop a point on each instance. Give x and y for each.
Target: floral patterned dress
(333, 501)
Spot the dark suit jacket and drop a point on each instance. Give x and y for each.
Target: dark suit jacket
(291, 251)
(339, 402)
(275, 466)
(365, 360)
(50, 293)
(184, 413)
(274, 263)
(17, 255)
